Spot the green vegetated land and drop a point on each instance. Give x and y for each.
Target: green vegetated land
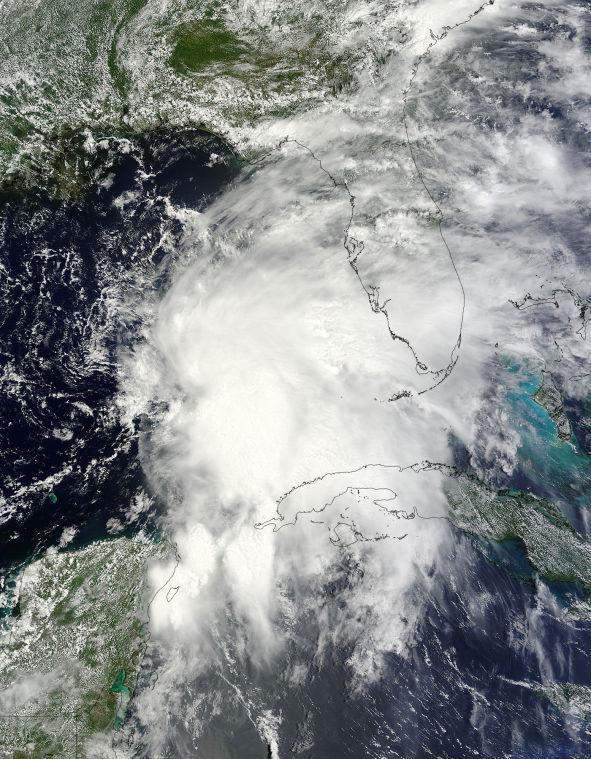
(199, 44)
(553, 547)
(128, 64)
(569, 698)
(556, 551)
(209, 47)
(72, 653)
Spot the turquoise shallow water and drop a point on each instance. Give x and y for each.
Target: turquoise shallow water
(547, 467)
(558, 469)
(483, 630)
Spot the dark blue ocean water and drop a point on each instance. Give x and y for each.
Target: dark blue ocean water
(462, 691)
(468, 686)
(68, 268)
(492, 632)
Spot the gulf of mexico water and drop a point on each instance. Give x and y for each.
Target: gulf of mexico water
(72, 269)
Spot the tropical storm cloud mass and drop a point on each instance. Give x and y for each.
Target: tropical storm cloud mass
(295, 379)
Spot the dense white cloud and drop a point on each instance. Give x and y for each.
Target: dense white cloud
(274, 369)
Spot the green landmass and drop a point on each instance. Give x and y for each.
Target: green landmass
(569, 698)
(548, 396)
(209, 47)
(127, 64)
(199, 44)
(72, 654)
(553, 547)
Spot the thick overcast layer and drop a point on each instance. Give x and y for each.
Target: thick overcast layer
(272, 360)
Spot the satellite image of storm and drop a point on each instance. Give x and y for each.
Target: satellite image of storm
(295, 330)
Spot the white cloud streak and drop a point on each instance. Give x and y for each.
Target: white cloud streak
(274, 369)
